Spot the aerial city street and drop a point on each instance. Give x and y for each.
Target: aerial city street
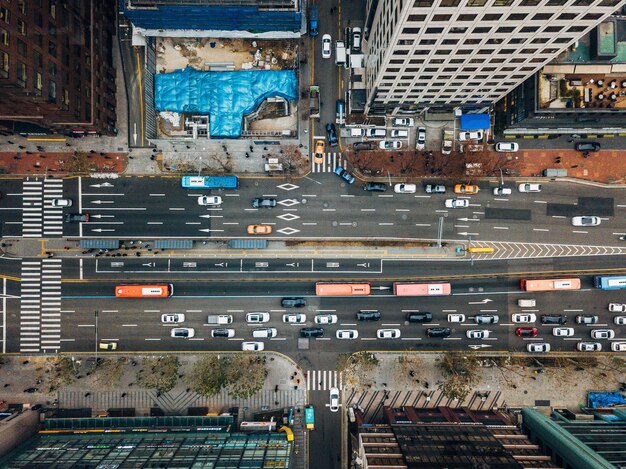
(313, 235)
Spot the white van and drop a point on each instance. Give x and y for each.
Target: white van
(267, 333)
(376, 132)
(526, 303)
(340, 54)
(357, 132)
(399, 133)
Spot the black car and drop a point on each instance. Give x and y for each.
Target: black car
(31, 390)
(419, 317)
(38, 407)
(263, 203)
(553, 319)
(368, 315)
(363, 146)
(375, 187)
(587, 146)
(293, 302)
(438, 332)
(332, 135)
(76, 217)
(311, 332)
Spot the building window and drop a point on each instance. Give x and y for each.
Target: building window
(516, 16)
(52, 49)
(434, 30)
(21, 48)
(505, 30)
(442, 17)
(476, 3)
(38, 82)
(423, 3)
(5, 14)
(529, 29)
(410, 30)
(4, 37)
(52, 92)
(39, 19)
(21, 74)
(53, 13)
(481, 30)
(553, 29)
(4, 64)
(21, 27)
(466, 17)
(38, 39)
(21, 6)
(491, 17)
(419, 18)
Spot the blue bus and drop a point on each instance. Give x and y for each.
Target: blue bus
(309, 417)
(609, 282)
(210, 182)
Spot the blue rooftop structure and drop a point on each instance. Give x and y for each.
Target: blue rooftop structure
(475, 122)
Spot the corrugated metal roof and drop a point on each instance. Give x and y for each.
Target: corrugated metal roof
(100, 243)
(173, 244)
(247, 244)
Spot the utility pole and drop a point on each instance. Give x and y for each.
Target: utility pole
(439, 232)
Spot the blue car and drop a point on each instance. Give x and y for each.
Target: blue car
(345, 175)
(332, 135)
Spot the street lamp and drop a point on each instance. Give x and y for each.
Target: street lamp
(95, 313)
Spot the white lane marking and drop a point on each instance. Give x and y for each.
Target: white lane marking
(500, 227)
(385, 224)
(580, 231)
(540, 201)
(558, 216)
(422, 224)
(540, 229)
(368, 210)
(156, 195)
(177, 208)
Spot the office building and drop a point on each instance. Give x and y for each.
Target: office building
(56, 66)
(444, 54)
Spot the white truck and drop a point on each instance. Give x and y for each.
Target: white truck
(340, 54)
(219, 319)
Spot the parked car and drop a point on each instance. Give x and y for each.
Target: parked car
(211, 200)
(404, 188)
(259, 229)
(526, 331)
(320, 148)
(524, 318)
(260, 202)
(620, 320)
(540, 347)
(563, 331)
(586, 221)
(375, 187)
(486, 319)
(388, 333)
(602, 334)
(325, 319)
(553, 319)
(355, 45)
(62, 202)
(309, 332)
(466, 189)
(331, 133)
(507, 146)
(368, 315)
(363, 145)
(587, 146)
(439, 332)
(403, 122)
(257, 316)
(334, 399)
(617, 308)
(586, 319)
(294, 318)
(172, 318)
(399, 133)
(345, 175)
(347, 334)
(326, 46)
(456, 317)
(183, 332)
(529, 187)
(252, 346)
(457, 203)
(226, 333)
(390, 144)
(107, 346)
(435, 189)
(618, 346)
(77, 218)
(464, 136)
(420, 143)
(589, 347)
(477, 334)
(501, 190)
(293, 302)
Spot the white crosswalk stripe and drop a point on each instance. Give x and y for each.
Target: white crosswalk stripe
(323, 380)
(40, 306)
(39, 217)
(331, 161)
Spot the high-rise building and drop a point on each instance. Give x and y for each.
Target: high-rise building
(56, 65)
(466, 53)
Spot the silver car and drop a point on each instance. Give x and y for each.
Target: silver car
(602, 334)
(486, 319)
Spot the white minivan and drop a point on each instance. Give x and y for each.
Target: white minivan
(266, 333)
(399, 133)
(376, 132)
(340, 54)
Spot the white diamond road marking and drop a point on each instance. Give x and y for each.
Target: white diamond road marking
(288, 186)
(289, 202)
(288, 216)
(288, 231)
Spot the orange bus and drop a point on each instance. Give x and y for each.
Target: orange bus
(421, 289)
(144, 291)
(342, 289)
(550, 284)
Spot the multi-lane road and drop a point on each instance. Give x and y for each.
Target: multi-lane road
(318, 206)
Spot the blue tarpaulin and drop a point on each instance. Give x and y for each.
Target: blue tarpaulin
(605, 399)
(475, 122)
(225, 96)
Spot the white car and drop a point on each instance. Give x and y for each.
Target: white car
(617, 308)
(405, 188)
(563, 331)
(390, 144)
(388, 333)
(209, 200)
(325, 318)
(252, 346)
(524, 318)
(227, 333)
(507, 146)
(294, 318)
(257, 317)
(502, 190)
(172, 318)
(347, 334)
(586, 221)
(538, 347)
(618, 346)
(334, 399)
(478, 334)
(529, 187)
(327, 43)
(456, 317)
(620, 320)
(589, 347)
(183, 332)
(602, 333)
(62, 202)
(404, 121)
(464, 136)
(420, 144)
(457, 203)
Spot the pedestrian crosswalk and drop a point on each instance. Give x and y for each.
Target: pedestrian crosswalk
(323, 380)
(40, 306)
(39, 217)
(331, 161)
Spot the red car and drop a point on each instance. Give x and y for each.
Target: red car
(526, 331)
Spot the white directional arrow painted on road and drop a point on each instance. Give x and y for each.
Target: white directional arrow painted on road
(482, 302)
(479, 346)
(104, 184)
(293, 264)
(381, 288)
(464, 233)
(102, 216)
(365, 264)
(469, 219)
(99, 202)
(207, 230)
(149, 264)
(100, 230)
(222, 264)
(211, 216)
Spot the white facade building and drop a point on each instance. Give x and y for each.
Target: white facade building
(469, 53)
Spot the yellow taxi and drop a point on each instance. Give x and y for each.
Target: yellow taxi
(466, 189)
(259, 229)
(318, 156)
